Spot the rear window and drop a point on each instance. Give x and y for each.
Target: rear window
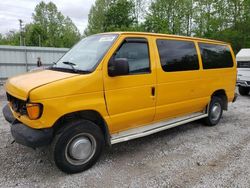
(177, 55)
(243, 64)
(215, 56)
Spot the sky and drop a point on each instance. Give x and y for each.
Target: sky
(13, 10)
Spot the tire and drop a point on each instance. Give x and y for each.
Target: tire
(215, 112)
(8, 114)
(243, 90)
(78, 146)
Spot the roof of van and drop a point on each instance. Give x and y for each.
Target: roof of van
(174, 36)
(243, 55)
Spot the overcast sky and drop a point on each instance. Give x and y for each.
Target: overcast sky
(12, 10)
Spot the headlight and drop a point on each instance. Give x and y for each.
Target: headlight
(34, 110)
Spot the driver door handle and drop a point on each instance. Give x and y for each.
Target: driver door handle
(153, 91)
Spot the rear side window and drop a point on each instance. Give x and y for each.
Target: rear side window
(177, 55)
(215, 56)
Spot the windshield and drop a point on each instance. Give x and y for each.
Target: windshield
(86, 54)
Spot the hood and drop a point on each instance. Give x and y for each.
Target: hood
(20, 86)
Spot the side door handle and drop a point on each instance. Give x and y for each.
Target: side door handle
(153, 91)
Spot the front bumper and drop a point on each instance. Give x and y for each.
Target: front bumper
(25, 135)
(235, 97)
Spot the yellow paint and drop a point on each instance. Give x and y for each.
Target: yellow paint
(125, 101)
(21, 85)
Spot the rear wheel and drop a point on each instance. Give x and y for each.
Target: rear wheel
(214, 112)
(243, 90)
(78, 146)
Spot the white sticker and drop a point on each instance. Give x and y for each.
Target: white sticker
(106, 39)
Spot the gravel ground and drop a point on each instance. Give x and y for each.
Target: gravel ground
(191, 155)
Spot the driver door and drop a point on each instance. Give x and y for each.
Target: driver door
(130, 99)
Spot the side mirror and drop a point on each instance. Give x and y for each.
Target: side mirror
(118, 67)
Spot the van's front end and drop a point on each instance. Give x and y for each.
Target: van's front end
(38, 101)
(31, 120)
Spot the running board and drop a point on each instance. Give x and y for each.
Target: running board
(154, 128)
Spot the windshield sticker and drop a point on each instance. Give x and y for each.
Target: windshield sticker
(106, 39)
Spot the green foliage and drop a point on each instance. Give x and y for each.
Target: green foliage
(96, 17)
(52, 27)
(111, 15)
(49, 28)
(11, 38)
(226, 20)
(119, 16)
(170, 16)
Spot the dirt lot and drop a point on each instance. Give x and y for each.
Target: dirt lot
(191, 155)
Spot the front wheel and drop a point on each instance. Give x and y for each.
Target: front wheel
(78, 146)
(214, 112)
(243, 90)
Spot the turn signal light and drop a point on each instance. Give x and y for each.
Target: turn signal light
(34, 111)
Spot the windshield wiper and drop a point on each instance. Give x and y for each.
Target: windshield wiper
(71, 64)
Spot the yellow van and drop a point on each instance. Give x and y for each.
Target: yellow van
(114, 87)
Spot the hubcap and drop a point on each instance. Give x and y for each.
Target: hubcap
(215, 112)
(80, 149)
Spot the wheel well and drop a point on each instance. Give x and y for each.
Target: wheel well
(221, 94)
(90, 115)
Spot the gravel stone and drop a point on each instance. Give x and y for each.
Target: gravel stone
(191, 155)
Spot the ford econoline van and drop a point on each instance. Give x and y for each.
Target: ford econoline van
(114, 87)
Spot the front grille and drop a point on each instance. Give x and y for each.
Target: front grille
(243, 64)
(17, 105)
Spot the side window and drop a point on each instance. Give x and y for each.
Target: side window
(177, 55)
(136, 51)
(215, 56)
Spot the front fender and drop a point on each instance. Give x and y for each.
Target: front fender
(55, 108)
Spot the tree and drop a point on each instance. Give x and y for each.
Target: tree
(52, 28)
(139, 11)
(226, 20)
(70, 33)
(34, 35)
(119, 16)
(11, 38)
(157, 19)
(170, 16)
(49, 28)
(96, 17)
(110, 15)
